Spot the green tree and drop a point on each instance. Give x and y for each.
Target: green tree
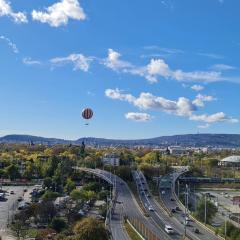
(19, 230)
(69, 186)
(47, 182)
(58, 224)
(50, 196)
(90, 229)
(12, 172)
(211, 210)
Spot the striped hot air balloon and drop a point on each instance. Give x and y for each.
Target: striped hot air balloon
(87, 113)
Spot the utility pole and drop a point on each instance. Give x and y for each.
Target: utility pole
(205, 212)
(178, 188)
(225, 228)
(185, 226)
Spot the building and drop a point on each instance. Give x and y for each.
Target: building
(111, 160)
(232, 161)
(178, 151)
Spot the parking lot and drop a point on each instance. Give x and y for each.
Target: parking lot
(9, 206)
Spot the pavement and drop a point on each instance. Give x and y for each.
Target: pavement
(9, 207)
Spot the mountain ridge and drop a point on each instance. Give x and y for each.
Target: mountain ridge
(192, 140)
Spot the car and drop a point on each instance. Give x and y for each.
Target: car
(172, 199)
(12, 192)
(196, 230)
(20, 199)
(25, 190)
(148, 195)
(168, 229)
(41, 226)
(150, 208)
(100, 217)
(186, 222)
(178, 209)
(173, 210)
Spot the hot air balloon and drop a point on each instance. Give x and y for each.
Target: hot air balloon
(87, 114)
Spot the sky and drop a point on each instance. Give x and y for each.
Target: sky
(146, 68)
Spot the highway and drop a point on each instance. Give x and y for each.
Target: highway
(158, 214)
(161, 216)
(126, 205)
(169, 199)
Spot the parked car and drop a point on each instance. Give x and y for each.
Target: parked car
(20, 199)
(12, 192)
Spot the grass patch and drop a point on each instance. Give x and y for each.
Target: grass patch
(131, 232)
(153, 188)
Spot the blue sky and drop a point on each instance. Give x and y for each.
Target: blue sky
(147, 68)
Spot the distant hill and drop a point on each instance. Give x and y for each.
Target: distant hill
(193, 140)
(34, 139)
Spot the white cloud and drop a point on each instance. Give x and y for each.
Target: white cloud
(113, 61)
(195, 76)
(138, 117)
(79, 61)
(216, 117)
(12, 45)
(197, 87)
(222, 67)
(200, 99)
(6, 10)
(117, 94)
(211, 55)
(30, 61)
(59, 13)
(146, 101)
(207, 125)
(181, 107)
(157, 68)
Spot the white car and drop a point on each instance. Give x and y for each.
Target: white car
(150, 208)
(168, 229)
